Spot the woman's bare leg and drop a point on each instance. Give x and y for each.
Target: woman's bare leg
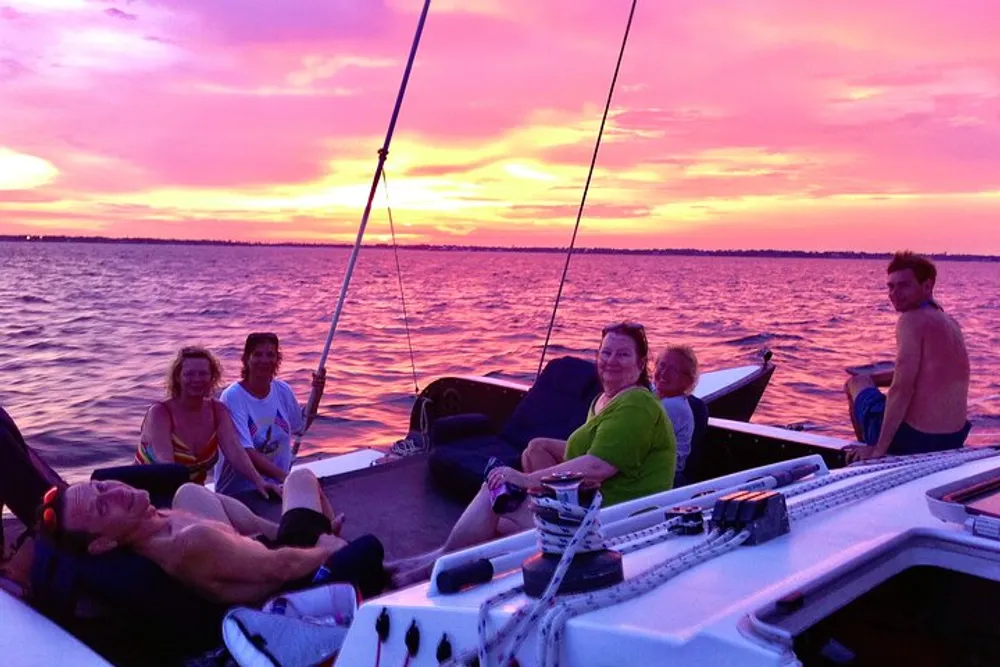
(477, 524)
(542, 453)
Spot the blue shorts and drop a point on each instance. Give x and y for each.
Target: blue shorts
(869, 410)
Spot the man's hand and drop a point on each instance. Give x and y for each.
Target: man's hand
(861, 453)
(267, 488)
(319, 380)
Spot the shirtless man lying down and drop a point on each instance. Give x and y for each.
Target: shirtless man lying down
(213, 543)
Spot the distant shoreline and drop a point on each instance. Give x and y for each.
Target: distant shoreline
(684, 252)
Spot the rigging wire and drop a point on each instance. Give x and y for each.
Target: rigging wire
(399, 277)
(586, 187)
(383, 153)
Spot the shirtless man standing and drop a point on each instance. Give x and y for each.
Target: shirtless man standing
(213, 543)
(925, 410)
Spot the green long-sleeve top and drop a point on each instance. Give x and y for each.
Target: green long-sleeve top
(632, 434)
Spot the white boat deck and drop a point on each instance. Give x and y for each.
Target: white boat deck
(714, 381)
(694, 619)
(28, 639)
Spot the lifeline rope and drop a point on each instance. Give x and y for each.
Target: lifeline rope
(866, 468)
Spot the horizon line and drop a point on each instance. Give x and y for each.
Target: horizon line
(449, 247)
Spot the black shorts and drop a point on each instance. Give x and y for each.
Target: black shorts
(359, 563)
(299, 527)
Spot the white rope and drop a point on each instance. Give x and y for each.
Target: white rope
(519, 625)
(553, 623)
(872, 466)
(888, 479)
(556, 539)
(641, 539)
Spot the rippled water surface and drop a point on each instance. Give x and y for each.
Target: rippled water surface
(90, 328)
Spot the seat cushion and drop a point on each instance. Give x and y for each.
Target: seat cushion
(556, 405)
(458, 469)
(694, 467)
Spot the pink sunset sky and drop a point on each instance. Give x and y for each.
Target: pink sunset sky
(855, 124)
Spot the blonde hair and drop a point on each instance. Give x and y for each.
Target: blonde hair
(192, 352)
(686, 352)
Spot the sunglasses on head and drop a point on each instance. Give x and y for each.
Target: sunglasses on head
(50, 520)
(629, 327)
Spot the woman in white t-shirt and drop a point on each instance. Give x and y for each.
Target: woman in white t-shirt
(674, 377)
(266, 415)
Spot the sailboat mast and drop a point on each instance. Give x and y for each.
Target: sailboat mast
(383, 153)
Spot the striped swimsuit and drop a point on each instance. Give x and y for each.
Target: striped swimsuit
(184, 454)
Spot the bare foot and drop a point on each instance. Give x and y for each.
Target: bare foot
(337, 524)
(406, 578)
(415, 562)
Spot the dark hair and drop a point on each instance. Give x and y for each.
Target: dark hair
(253, 340)
(637, 333)
(192, 352)
(922, 267)
(74, 541)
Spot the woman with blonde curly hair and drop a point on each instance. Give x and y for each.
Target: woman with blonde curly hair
(190, 427)
(674, 378)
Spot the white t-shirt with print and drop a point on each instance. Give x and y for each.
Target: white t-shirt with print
(263, 424)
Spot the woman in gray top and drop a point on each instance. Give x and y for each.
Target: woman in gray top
(674, 377)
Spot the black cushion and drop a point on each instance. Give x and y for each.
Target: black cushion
(447, 430)
(136, 607)
(554, 407)
(161, 480)
(458, 469)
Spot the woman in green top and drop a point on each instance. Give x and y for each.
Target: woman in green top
(626, 445)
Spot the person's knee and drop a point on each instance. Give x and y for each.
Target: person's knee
(189, 493)
(301, 476)
(856, 384)
(526, 458)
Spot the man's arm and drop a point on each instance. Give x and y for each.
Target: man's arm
(234, 570)
(904, 380)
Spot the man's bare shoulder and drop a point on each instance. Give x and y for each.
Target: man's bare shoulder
(912, 322)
